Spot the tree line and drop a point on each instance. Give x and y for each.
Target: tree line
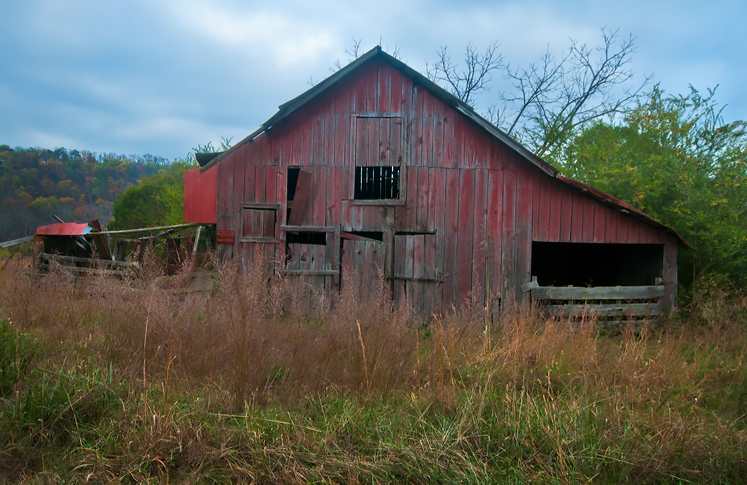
(77, 186)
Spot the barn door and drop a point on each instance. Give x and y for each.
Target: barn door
(362, 262)
(417, 271)
(310, 252)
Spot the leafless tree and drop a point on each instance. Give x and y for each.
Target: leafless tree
(549, 100)
(473, 78)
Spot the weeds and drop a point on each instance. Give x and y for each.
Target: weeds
(258, 377)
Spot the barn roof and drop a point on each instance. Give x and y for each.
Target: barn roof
(64, 229)
(290, 107)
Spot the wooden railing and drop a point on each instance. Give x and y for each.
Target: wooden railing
(607, 303)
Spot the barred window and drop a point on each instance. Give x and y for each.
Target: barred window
(377, 183)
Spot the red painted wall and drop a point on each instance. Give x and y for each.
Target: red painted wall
(200, 196)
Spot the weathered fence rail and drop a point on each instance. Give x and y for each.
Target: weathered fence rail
(609, 303)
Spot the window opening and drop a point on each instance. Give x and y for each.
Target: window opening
(377, 183)
(376, 235)
(292, 181)
(319, 238)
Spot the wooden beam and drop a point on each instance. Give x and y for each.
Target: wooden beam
(289, 228)
(312, 272)
(597, 293)
(632, 309)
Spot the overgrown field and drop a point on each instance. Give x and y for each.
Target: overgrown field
(136, 381)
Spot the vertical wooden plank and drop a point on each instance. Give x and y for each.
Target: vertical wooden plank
(466, 234)
(431, 291)
(260, 179)
(494, 232)
(411, 203)
(647, 234)
(460, 126)
(318, 131)
(438, 134)
(470, 146)
(359, 92)
(271, 188)
(400, 259)
(418, 272)
(296, 142)
(372, 140)
(330, 133)
(508, 231)
(634, 232)
(555, 209)
(577, 217)
(372, 87)
(480, 228)
(385, 88)
(610, 225)
(538, 213)
(600, 222)
(438, 221)
(396, 86)
(421, 218)
(334, 197)
(482, 150)
(268, 223)
(338, 131)
(388, 146)
(588, 219)
(409, 261)
(623, 223)
(449, 141)
(428, 127)
(566, 213)
(416, 149)
(450, 238)
(239, 157)
(307, 150)
(525, 196)
(249, 183)
(659, 236)
(320, 196)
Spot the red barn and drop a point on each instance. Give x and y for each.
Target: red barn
(377, 168)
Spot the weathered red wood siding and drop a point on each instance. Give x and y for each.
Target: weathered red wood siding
(478, 202)
(200, 196)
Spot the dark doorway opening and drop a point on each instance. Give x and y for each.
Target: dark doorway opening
(582, 264)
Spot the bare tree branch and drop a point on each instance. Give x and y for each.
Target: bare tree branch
(476, 75)
(550, 100)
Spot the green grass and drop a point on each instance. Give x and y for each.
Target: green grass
(129, 381)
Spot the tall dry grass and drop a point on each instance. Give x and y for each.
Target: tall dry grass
(264, 377)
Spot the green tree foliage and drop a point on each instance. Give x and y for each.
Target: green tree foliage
(157, 200)
(77, 186)
(675, 158)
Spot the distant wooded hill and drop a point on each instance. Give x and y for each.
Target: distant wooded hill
(75, 185)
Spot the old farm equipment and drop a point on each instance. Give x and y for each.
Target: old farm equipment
(85, 248)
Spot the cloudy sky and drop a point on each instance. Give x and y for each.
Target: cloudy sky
(161, 77)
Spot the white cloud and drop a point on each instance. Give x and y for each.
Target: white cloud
(286, 39)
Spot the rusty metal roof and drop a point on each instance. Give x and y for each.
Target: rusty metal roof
(64, 229)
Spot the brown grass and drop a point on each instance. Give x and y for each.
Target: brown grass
(345, 382)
